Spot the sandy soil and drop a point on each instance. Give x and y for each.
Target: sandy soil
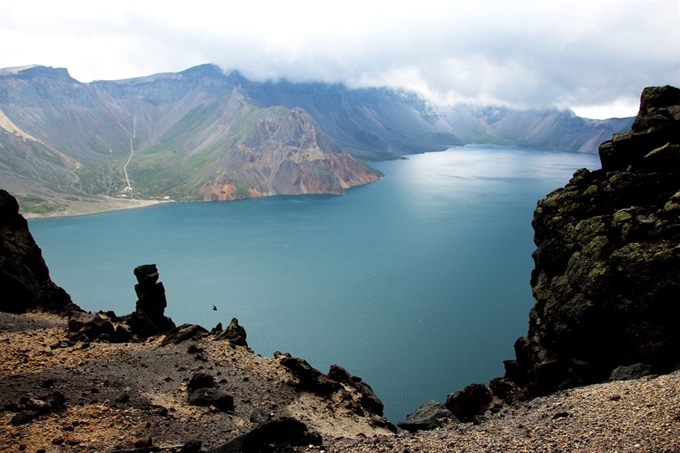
(91, 206)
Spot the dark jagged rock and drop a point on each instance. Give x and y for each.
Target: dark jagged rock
(203, 392)
(234, 333)
(310, 379)
(201, 380)
(193, 446)
(369, 401)
(279, 435)
(466, 404)
(183, 333)
(506, 390)
(654, 127)
(149, 317)
(428, 416)
(217, 329)
(122, 334)
(260, 415)
(635, 371)
(205, 396)
(607, 274)
(339, 374)
(24, 277)
(90, 325)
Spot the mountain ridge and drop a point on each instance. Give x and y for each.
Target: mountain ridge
(66, 143)
(177, 130)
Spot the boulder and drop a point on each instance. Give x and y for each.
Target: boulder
(339, 374)
(260, 416)
(607, 263)
(505, 389)
(30, 407)
(368, 400)
(90, 325)
(309, 378)
(626, 373)
(466, 404)
(280, 435)
(429, 415)
(201, 380)
(183, 333)
(204, 396)
(24, 277)
(234, 333)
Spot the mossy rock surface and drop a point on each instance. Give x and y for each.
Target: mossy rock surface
(607, 275)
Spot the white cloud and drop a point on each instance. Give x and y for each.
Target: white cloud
(524, 54)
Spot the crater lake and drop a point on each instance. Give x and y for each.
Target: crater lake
(418, 283)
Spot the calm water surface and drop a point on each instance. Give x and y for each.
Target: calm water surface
(417, 283)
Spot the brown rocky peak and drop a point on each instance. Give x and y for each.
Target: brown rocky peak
(286, 154)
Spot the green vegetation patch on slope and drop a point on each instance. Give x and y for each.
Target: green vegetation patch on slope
(37, 205)
(180, 132)
(159, 174)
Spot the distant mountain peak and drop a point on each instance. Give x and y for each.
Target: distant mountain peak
(16, 69)
(203, 70)
(37, 71)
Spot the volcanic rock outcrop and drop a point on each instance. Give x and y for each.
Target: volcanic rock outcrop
(24, 277)
(149, 317)
(235, 333)
(607, 274)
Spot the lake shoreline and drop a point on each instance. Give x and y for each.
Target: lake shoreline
(115, 204)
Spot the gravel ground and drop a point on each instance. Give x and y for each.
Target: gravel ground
(117, 394)
(624, 416)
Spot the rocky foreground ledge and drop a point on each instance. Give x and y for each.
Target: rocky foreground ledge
(201, 393)
(135, 397)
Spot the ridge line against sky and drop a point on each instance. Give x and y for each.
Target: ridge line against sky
(593, 57)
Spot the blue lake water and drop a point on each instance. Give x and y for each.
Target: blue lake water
(418, 283)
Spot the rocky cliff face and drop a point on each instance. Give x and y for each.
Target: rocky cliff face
(286, 154)
(186, 136)
(607, 275)
(24, 277)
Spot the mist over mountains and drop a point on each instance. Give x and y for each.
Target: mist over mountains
(201, 134)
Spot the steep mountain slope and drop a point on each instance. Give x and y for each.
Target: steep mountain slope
(556, 129)
(284, 155)
(203, 134)
(371, 123)
(172, 135)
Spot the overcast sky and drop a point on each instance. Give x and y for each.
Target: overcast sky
(594, 57)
